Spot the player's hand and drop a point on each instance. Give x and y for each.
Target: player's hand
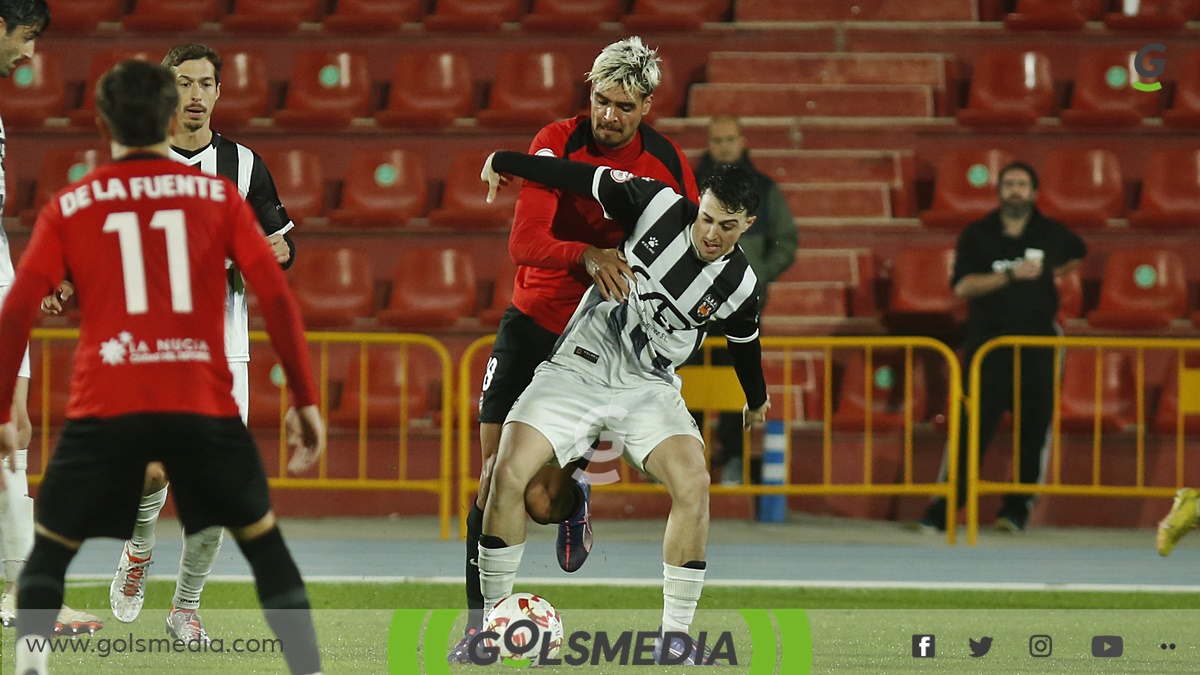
(280, 248)
(756, 417)
(607, 267)
(306, 436)
(8, 445)
(494, 180)
(1028, 269)
(53, 304)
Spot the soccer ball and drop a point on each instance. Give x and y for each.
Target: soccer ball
(512, 616)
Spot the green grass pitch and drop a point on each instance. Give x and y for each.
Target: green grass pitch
(854, 631)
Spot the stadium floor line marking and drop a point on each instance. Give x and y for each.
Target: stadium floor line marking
(82, 581)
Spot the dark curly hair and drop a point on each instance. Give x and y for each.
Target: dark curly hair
(734, 186)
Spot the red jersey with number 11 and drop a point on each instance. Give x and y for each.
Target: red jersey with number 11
(144, 240)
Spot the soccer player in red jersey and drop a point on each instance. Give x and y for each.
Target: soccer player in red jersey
(563, 243)
(144, 240)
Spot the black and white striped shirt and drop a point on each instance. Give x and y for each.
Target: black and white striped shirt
(675, 297)
(223, 157)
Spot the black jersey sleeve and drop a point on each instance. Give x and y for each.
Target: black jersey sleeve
(625, 196)
(264, 198)
(745, 350)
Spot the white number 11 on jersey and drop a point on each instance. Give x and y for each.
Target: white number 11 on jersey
(125, 224)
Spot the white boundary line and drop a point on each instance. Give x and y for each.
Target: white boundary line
(79, 581)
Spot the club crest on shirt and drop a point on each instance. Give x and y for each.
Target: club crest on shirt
(707, 306)
(619, 176)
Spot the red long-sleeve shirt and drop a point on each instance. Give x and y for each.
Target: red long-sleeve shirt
(552, 228)
(145, 240)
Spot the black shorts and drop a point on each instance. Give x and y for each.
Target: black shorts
(93, 484)
(521, 346)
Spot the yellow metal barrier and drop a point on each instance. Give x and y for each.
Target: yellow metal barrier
(1189, 402)
(468, 395)
(441, 486)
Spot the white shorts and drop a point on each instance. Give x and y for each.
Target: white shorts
(572, 411)
(25, 371)
(241, 387)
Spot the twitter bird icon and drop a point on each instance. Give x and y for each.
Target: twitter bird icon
(980, 647)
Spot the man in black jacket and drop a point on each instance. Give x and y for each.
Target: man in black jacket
(1004, 266)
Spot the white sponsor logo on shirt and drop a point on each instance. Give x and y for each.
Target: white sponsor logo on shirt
(165, 350)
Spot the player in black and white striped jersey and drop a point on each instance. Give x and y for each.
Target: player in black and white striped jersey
(614, 367)
(197, 71)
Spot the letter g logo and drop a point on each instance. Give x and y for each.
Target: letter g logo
(1148, 66)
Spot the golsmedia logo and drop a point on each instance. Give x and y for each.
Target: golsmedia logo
(780, 642)
(1147, 64)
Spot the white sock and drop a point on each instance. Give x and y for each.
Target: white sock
(681, 592)
(497, 572)
(199, 554)
(30, 660)
(141, 544)
(16, 516)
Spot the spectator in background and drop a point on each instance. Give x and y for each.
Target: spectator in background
(769, 245)
(1004, 266)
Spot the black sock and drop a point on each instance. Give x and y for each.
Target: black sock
(696, 565)
(576, 501)
(284, 600)
(40, 589)
(474, 592)
(489, 541)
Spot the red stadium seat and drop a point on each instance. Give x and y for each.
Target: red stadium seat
(299, 181)
(370, 16)
(327, 89)
(1070, 296)
(62, 364)
(244, 90)
(532, 89)
(570, 15)
(887, 392)
(1185, 110)
(171, 15)
(32, 92)
(266, 378)
(472, 15)
(415, 377)
(1170, 190)
(1010, 88)
(463, 200)
(1143, 288)
(429, 89)
(853, 269)
(682, 15)
(1155, 15)
(502, 293)
(921, 285)
(60, 168)
(792, 306)
(1104, 96)
(85, 116)
(433, 288)
(1081, 187)
(333, 286)
(83, 15)
(965, 187)
(810, 100)
(276, 16)
(382, 188)
(1077, 399)
(1054, 14)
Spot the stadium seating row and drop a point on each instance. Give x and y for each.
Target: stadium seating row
(390, 186)
(388, 15)
(1144, 15)
(332, 89)
(1082, 187)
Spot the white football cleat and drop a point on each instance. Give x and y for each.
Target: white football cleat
(8, 609)
(127, 593)
(72, 622)
(185, 625)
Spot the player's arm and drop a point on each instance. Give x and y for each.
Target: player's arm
(623, 196)
(39, 272)
(272, 216)
(741, 336)
(251, 253)
(973, 275)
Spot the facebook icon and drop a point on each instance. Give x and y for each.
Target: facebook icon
(923, 646)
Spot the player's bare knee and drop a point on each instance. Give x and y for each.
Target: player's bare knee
(254, 530)
(155, 479)
(507, 481)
